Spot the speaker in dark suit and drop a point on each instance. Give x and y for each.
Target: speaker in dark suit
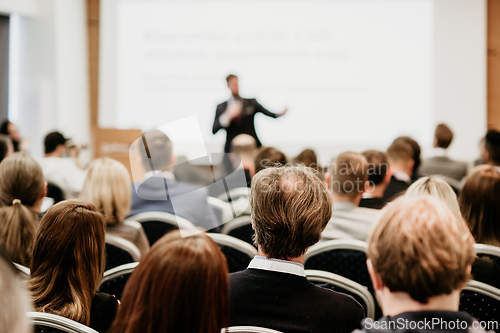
(237, 114)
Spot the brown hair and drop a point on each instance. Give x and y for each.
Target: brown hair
(443, 136)
(479, 204)
(21, 185)
(230, 77)
(415, 147)
(349, 173)
(377, 166)
(269, 157)
(492, 146)
(155, 149)
(420, 247)
(108, 185)
(400, 151)
(68, 260)
(181, 285)
(308, 158)
(290, 208)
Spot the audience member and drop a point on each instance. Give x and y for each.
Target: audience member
(269, 157)
(421, 280)
(68, 265)
(440, 163)
(245, 147)
(181, 285)
(290, 208)
(67, 173)
(400, 157)
(11, 130)
(108, 186)
(14, 302)
(482, 153)
(6, 147)
(347, 179)
(416, 155)
(492, 148)
(161, 192)
(307, 158)
(22, 189)
(378, 179)
(437, 188)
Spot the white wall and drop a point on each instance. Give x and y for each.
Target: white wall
(50, 89)
(23, 7)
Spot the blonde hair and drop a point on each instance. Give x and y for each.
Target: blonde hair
(108, 185)
(290, 208)
(437, 188)
(420, 247)
(68, 260)
(21, 185)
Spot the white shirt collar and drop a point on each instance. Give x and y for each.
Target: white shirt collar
(441, 152)
(277, 265)
(164, 174)
(400, 175)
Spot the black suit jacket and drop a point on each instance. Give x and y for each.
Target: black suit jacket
(395, 188)
(245, 125)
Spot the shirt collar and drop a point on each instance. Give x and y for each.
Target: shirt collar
(164, 174)
(441, 152)
(400, 175)
(277, 265)
(343, 205)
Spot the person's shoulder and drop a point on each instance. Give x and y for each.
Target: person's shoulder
(345, 305)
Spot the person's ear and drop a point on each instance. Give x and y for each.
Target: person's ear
(173, 161)
(487, 157)
(376, 280)
(328, 179)
(387, 178)
(435, 142)
(44, 191)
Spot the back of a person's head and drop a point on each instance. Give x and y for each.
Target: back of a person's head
(307, 158)
(443, 136)
(437, 188)
(290, 208)
(157, 150)
(399, 151)
(52, 141)
(181, 285)
(420, 247)
(479, 204)
(492, 146)
(6, 146)
(348, 174)
(243, 144)
(108, 185)
(378, 166)
(14, 302)
(269, 157)
(21, 186)
(415, 147)
(68, 260)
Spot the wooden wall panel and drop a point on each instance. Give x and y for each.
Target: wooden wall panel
(493, 74)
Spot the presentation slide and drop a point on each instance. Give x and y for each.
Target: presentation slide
(356, 72)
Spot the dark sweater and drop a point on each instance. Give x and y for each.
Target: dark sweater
(290, 304)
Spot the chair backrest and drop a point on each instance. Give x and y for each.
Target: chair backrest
(222, 209)
(120, 251)
(248, 329)
(57, 322)
(25, 271)
(157, 224)
(235, 193)
(482, 301)
(493, 252)
(240, 227)
(115, 279)
(238, 253)
(346, 286)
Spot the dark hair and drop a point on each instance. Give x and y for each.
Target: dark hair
(155, 150)
(269, 157)
(5, 142)
(443, 135)
(53, 140)
(479, 204)
(181, 285)
(416, 151)
(4, 129)
(492, 145)
(308, 158)
(230, 77)
(377, 166)
(400, 150)
(68, 260)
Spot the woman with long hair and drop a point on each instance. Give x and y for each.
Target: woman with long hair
(108, 185)
(68, 264)
(22, 189)
(181, 285)
(437, 188)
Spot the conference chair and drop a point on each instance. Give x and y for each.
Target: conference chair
(221, 208)
(488, 251)
(240, 227)
(238, 253)
(114, 280)
(25, 271)
(248, 329)
(61, 324)
(346, 286)
(120, 251)
(235, 193)
(482, 301)
(157, 224)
